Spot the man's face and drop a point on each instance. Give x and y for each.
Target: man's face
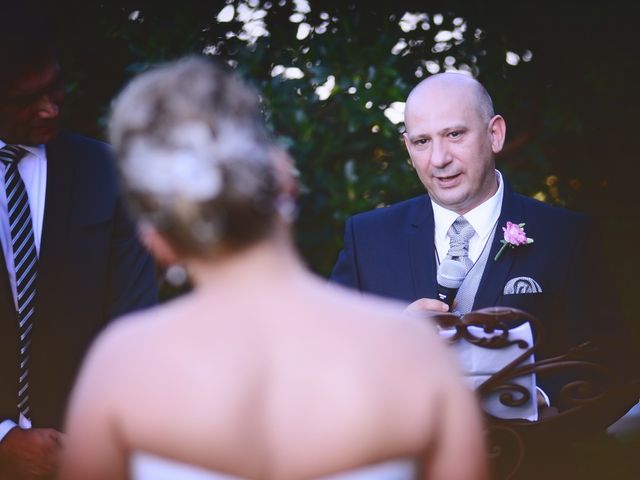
(30, 107)
(451, 146)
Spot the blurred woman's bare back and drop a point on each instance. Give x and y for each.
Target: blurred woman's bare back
(268, 372)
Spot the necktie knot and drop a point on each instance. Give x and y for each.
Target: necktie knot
(460, 233)
(11, 154)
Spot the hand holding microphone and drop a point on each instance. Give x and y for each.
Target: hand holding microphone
(450, 276)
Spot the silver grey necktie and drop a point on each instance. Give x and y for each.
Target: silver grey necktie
(460, 233)
(25, 259)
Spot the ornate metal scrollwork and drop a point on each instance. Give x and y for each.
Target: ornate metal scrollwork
(512, 394)
(590, 396)
(507, 450)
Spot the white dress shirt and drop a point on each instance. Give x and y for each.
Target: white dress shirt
(482, 218)
(33, 170)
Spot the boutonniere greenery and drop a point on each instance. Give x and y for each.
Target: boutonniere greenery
(514, 236)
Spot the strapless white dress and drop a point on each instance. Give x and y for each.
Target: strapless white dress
(144, 466)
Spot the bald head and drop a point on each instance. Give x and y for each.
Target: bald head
(455, 84)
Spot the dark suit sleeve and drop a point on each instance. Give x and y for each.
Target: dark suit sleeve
(132, 274)
(345, 271)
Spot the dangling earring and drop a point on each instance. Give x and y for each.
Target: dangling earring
(176, 275)
(287, 208)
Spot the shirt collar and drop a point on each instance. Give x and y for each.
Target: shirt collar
(482, 218)
(37, 150)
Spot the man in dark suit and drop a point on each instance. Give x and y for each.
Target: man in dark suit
(452, 135)
(89, 266)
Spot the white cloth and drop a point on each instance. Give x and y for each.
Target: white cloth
(479, 363)
(5, 427)
(144, 466)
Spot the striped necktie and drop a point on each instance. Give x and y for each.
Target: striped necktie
(25, 260)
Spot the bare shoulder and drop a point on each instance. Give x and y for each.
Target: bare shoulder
(127, 344)
(404, 372)
(384, 319)
(108, 387)
(115, 341)
(378, 331)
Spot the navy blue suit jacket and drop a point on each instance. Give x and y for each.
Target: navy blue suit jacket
(390, 252)
(91, 269)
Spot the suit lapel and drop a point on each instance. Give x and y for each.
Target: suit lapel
(7, 305)
(495, 273)
(56, 221)
(421, 251)
(5, 287)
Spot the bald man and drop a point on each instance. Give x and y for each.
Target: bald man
(452, 136)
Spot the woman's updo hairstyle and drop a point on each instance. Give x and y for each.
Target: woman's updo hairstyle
(194, 157)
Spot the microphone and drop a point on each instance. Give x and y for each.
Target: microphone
(450, 275)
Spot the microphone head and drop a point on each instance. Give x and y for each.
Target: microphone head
(451, 273)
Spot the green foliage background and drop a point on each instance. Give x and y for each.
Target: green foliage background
(570, 109)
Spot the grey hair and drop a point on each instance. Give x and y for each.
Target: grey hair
(194, 156)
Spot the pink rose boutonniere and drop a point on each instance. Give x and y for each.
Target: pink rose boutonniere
(514, 235)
